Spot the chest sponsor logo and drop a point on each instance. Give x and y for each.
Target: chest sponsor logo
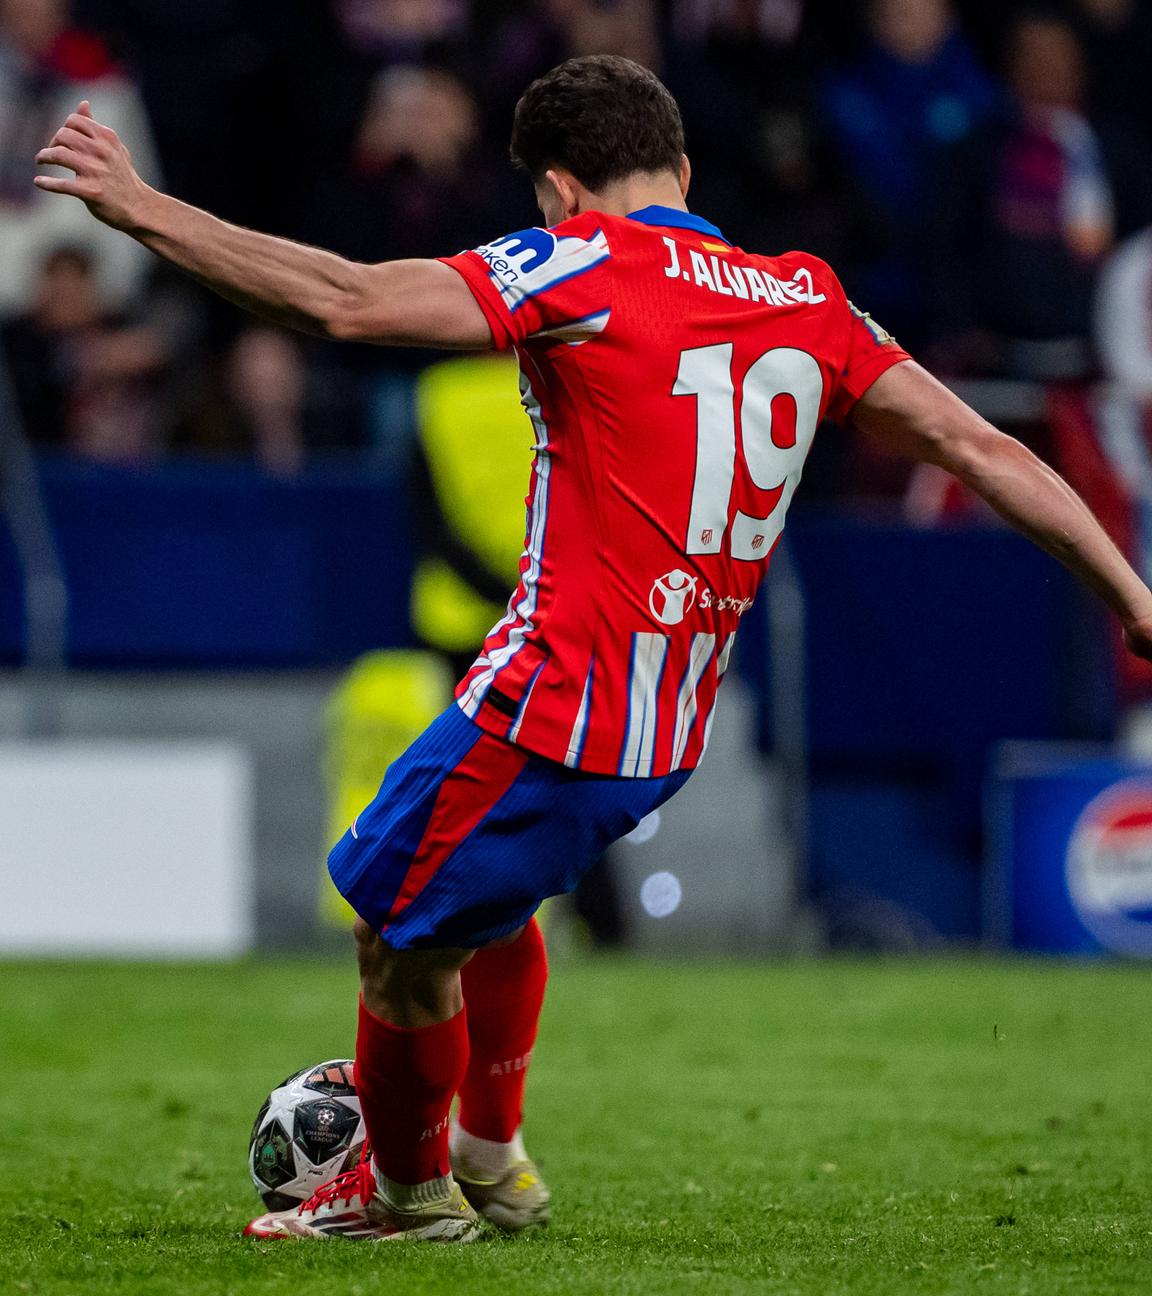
(672, 597)
(675, 594)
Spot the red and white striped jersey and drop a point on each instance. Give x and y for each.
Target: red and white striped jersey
(674, 383)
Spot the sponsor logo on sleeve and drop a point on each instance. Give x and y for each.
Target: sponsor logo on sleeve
(515, 255)
(531, 261)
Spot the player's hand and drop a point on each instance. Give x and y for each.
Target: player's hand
(1138, 637)
(104, 177)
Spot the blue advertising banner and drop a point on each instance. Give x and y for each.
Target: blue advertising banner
(1070, 842)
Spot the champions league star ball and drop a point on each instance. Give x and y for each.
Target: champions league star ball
(308, 1131)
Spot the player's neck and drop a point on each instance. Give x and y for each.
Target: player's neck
(635, 193)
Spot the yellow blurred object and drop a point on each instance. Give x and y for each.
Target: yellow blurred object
(478, 444)
(446, 611)
(377, 711)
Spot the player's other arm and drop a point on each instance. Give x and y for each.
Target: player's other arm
(397, 303)
(912, 413)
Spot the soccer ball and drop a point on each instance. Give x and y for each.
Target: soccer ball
(308, 1131)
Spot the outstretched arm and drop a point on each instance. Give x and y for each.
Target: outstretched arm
(913, 414)
(397, 303)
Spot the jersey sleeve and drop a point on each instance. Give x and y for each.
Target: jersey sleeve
(871, 351)
(541, 284)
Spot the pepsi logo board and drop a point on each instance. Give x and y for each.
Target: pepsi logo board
(1109, 867)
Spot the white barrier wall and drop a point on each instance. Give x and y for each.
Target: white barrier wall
(125, 848)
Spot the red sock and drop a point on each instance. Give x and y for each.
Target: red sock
(503, 991)
(406, 1080)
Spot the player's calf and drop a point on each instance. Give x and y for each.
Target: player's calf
(504, 990)
(411, 1057)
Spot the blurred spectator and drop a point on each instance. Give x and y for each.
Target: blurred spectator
(1117, 39)
(251, 394)
(915, 90)
(397, 29)
(626, 27)
(1028, 209)
(211, 72)
(512, 48)
(46, 68)
(267, 380)
(797, 196)
(1124, 318)
(773, 20)
(392, 122)
(82, 374)
(415, 136)
(36, 345)
(420, 186)
(741, 78)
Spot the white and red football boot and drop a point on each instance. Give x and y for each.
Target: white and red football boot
(351, 1206)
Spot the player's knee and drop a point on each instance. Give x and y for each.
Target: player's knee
(409, 987)
(375, 958)
(365, 935)
(503, 941)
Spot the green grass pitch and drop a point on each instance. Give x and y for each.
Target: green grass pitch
(809, 1129)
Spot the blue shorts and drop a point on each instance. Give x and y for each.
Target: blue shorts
(469, 834)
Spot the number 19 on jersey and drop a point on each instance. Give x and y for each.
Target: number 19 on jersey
(775, 456)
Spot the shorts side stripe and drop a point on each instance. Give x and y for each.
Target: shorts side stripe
(465, 797)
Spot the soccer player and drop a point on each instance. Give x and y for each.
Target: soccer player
(674, 382)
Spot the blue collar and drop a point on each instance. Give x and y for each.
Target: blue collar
(675, 219)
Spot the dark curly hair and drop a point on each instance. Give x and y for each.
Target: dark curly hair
(601, 118)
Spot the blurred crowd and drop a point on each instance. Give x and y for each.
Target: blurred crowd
(980, 177)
